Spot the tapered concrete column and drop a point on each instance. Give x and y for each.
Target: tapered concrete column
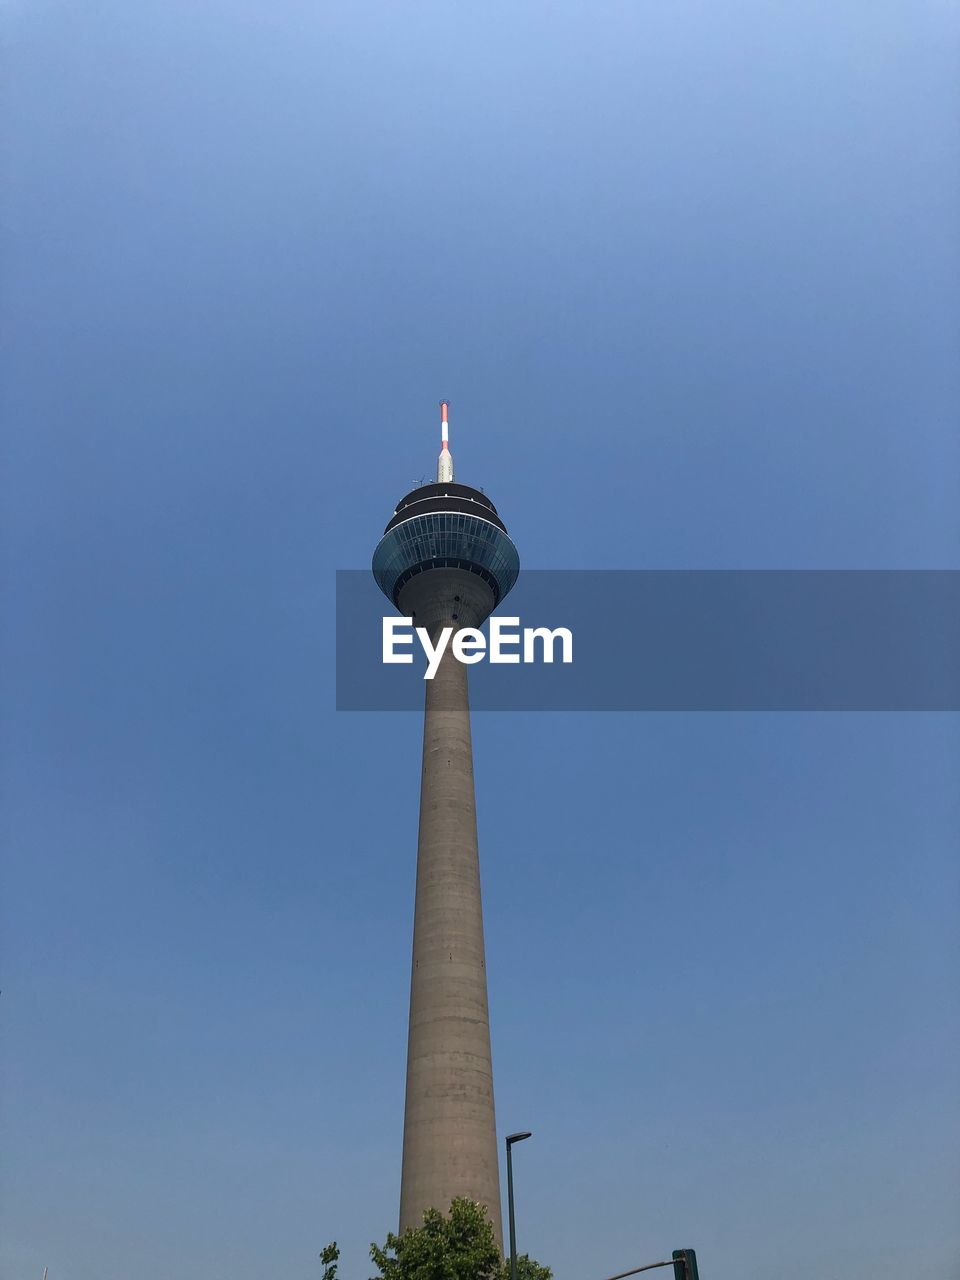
(449, 1131)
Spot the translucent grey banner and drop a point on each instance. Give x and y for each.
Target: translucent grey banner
(664, 640)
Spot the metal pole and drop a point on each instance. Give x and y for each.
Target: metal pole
(511, 1139)
(513, 1225)
(651, 1266)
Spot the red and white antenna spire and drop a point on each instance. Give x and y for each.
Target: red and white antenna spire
(445, 461)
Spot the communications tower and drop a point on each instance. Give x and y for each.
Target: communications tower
(446, 560)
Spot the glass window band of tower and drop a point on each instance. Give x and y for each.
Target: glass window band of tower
(445, 540)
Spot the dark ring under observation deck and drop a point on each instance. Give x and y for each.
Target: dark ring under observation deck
(445, 526)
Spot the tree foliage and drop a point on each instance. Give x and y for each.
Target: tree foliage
(330, 1256)
(527, 1269)
(458, 1246)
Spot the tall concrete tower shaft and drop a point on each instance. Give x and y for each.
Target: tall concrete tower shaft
(446, 560)
(449, 1129)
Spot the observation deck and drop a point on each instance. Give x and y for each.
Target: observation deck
(445, 526)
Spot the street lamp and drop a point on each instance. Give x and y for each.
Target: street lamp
(511, 1139)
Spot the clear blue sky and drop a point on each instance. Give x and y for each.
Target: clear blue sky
(692, 264)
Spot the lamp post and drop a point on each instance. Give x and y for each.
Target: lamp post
(511, 1139)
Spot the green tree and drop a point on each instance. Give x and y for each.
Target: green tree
(330, 1256)
(459, 1246)
(527, 1269)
